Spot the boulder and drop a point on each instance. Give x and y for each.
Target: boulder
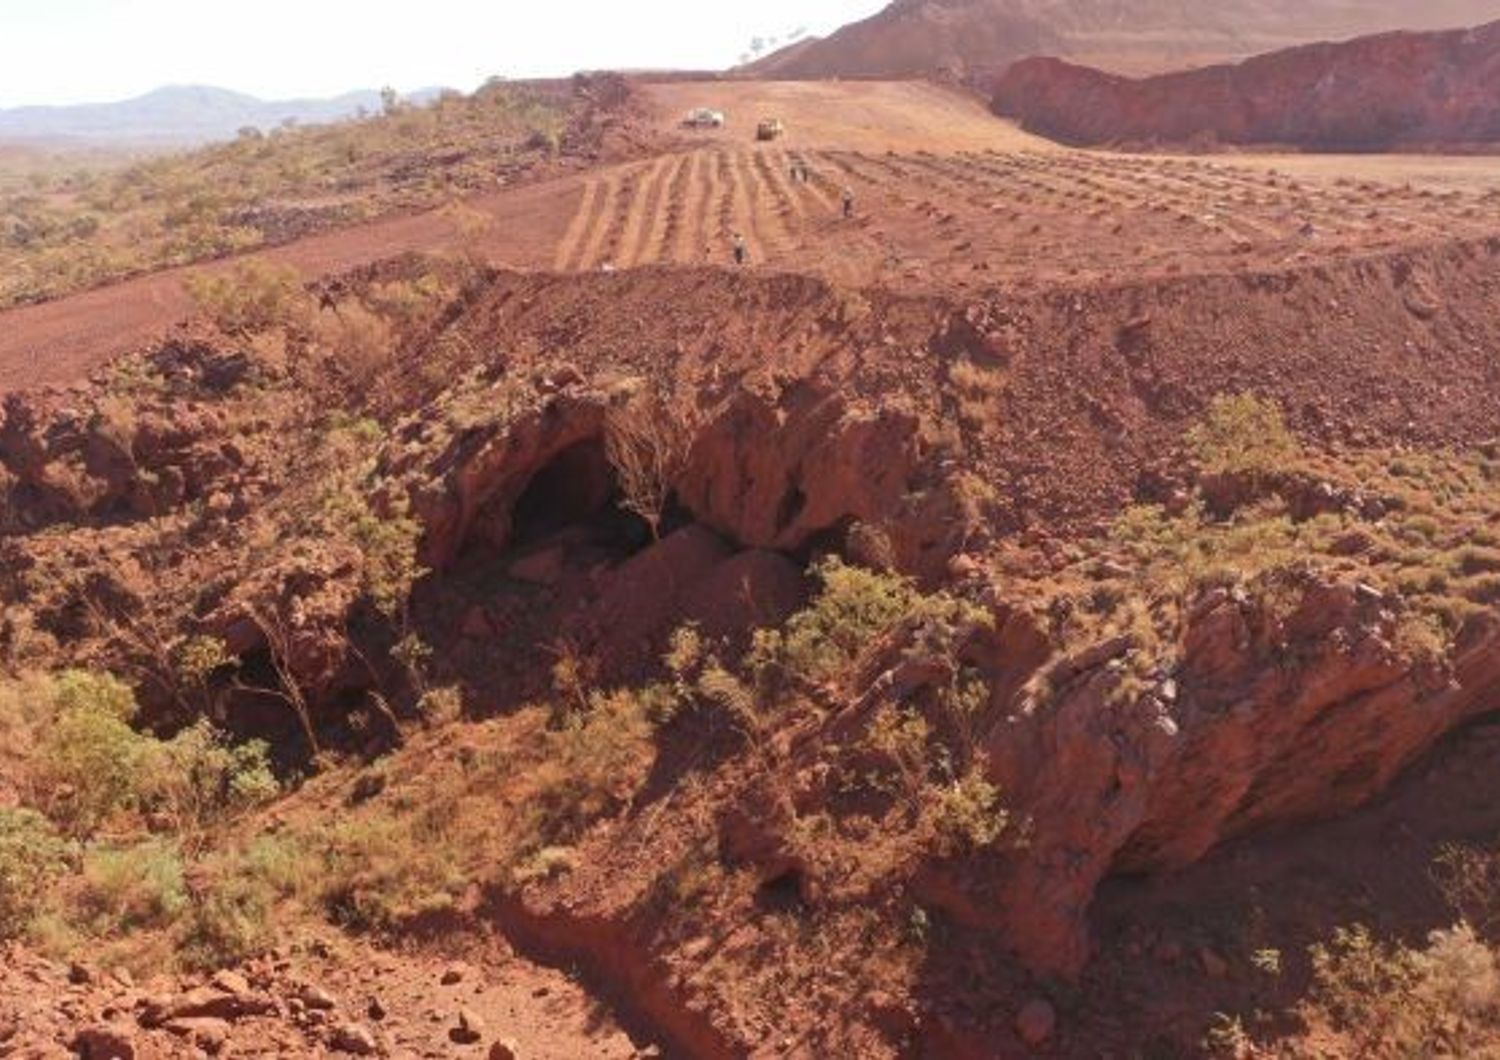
(356, 1039)
(105, 1042)
(210, 1035)
(469, 1030)
(1036, 1022)
(205, 1003)
(316, 998)
(231, 982)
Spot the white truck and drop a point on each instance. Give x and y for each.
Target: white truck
(704, 118)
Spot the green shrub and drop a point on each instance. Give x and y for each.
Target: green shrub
(257, 296)
(229, 925)
(1242, 434)
(382, 871)
(1390, 1000)
(852, 609)
(92, 766)
(852, 606)
(236, 916)
(699, 681)
(32, 856)
(595, 763)
(388, 544)
(89, 758)
(131, 889)
(196, 659)
(84, 690)
(198, 777)
(440, 706)
(968, 815)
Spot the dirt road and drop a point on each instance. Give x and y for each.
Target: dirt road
(54, 343)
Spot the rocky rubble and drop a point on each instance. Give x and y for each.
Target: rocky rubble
(92, 455)
(1110, 750)
(276, 1006)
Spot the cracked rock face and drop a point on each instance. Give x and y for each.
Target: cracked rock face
(1429, 89)
(1268, 719)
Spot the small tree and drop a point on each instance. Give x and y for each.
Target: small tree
(279, 645)
(647, 442)
(89, 759)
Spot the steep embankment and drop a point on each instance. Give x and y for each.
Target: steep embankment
(1375, 93)
(976, 38)
(881, 827)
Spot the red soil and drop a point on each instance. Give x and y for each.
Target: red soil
(1002, 345)
(948, 214)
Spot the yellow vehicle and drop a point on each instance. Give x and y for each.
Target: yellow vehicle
(769, 129)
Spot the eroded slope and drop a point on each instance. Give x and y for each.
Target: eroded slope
(798, 658)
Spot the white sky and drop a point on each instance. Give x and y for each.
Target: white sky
(71, 51)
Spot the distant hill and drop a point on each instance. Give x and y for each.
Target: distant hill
(1374, 93)
(178, 115)
(977, 39)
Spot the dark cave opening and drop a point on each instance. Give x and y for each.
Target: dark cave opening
(575, 486)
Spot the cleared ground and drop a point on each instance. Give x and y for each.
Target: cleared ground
(957, 219)
(859, 116)
(1472, 173)
(946, 197)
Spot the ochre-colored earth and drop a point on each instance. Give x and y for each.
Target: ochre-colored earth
(947, 197)
(967, 379)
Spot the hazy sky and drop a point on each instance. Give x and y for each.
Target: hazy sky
(70, 51)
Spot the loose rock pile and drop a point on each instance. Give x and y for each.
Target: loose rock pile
(274, 1006)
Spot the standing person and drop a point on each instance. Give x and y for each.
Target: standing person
(848, 199)
(740, 250)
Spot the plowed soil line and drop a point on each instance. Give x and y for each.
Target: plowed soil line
(567, 250)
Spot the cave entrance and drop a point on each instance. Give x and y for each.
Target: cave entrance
(576, 495)
(575, 486)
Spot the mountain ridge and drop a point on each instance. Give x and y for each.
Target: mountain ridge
(974, 40)
(181, 115)
(1382, 92)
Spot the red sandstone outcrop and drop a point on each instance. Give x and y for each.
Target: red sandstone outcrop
(972, 38)
(1374, 93)
(1268, 718)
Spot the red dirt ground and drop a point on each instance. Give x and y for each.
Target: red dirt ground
(1095, 302)
(966, 204)
(540, 1011)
